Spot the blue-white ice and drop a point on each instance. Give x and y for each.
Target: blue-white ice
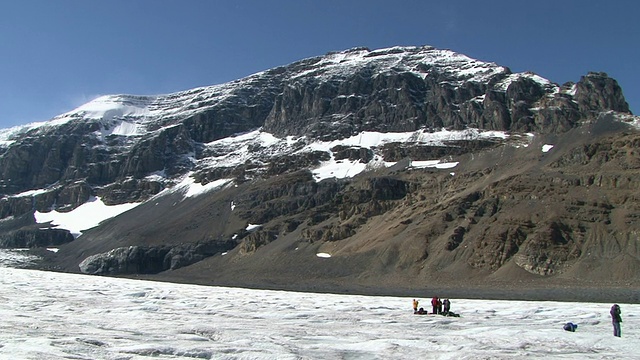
(48, 315)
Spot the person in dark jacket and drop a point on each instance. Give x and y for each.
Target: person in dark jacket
(616, 319)
(421, 311)
(447, 306)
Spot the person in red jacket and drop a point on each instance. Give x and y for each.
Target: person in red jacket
(434, 304)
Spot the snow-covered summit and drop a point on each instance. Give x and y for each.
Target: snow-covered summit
(113, 106)
(421, 61)
(418, 60)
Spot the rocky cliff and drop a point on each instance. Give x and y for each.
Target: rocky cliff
(490, 205)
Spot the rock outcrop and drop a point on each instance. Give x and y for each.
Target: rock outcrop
(150, 259)
(35, 238)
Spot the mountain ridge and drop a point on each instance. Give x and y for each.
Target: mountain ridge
(397, 163)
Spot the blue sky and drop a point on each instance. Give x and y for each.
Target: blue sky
(58, 54)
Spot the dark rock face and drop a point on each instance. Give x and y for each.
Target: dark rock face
(598, 92)
(456, 238)
(369, 101)
(34, 238)
(255, 240)
(297, 193)
(363, 155)
(150, 260)
(343, 107)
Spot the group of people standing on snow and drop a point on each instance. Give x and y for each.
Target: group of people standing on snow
(437, 305)
(441, 307)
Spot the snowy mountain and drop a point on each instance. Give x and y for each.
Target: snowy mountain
(392, 163)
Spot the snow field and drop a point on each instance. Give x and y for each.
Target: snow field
(50, 315)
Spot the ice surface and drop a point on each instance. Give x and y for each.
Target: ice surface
(48, 315)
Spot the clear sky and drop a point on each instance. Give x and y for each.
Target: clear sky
(58, 54)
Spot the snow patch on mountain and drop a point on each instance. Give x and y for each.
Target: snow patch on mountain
(546, 84)
(125, 128)
(31, 193)
(372, 140)
(338, 169)
(629, 119)
(113, 107)
(259, 147)
(192, 188)
(10, 135)
(94, 211)
(84, 217)
(129, 115)
(159, 176)
(432, 164)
